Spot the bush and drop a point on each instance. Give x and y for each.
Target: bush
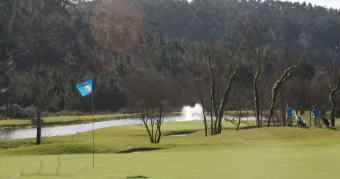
(18, 112)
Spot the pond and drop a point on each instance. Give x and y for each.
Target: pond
(187, 113)
(75, 129)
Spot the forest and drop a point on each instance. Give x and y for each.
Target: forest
(245, 55)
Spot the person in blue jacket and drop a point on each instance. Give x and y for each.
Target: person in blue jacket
(289, 115)
(315, 114)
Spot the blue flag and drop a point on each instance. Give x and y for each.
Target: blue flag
(85, 88)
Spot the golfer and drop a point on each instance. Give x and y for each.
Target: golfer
(289, 115)
(315, 113)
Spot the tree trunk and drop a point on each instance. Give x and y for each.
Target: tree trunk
(38, 138)
(212, 95)
(224, 100)
(239, 117)
(256, 102)
(333, 115)
(159, 134)
(7, 105)
(204, 118)
(332, 97)
(212, 121)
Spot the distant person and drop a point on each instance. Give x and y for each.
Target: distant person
(289, 115)
(315, 113)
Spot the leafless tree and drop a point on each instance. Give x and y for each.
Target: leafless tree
(200, 77)
(218, 70)
(333, 78)
(240, 96)
(150, 97)
(284, 77)
(254, 32)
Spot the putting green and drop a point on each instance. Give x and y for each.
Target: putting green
(290, 160)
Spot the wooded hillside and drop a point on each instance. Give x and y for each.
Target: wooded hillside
(47, 47)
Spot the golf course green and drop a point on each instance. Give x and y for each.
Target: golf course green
(256, 153)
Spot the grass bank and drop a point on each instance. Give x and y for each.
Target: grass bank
(275, 152)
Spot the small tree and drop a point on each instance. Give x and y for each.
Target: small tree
(150, 97)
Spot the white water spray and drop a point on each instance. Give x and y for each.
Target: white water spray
(189, 112)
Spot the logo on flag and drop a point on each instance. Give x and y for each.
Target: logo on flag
(85, 88)
(88, 88)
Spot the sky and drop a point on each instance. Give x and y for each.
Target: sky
(335, 4)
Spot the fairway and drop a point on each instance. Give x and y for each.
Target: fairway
(255, 153)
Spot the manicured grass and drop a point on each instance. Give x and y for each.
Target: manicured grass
(17, 122)
(275, 152)
(255, 162)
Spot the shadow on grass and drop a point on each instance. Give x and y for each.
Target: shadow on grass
(243, 127)
(39, 172)
(256, 127)
(139, 150)
(139, 176)
(329, 128)
(179, 133)
(249, 127)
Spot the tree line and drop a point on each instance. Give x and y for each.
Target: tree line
(161, 55)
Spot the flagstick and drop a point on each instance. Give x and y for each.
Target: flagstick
(92, 132)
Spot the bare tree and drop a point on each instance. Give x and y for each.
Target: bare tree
(215, 96)
(199, 76)
(284, 77)
(333, 77)
(150, 97)
(253, 32)
(286, 74)
(240, 96)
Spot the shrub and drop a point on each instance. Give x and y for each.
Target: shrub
(18, 112)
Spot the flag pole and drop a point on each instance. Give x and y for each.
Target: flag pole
(85, 88)
(92, 132)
